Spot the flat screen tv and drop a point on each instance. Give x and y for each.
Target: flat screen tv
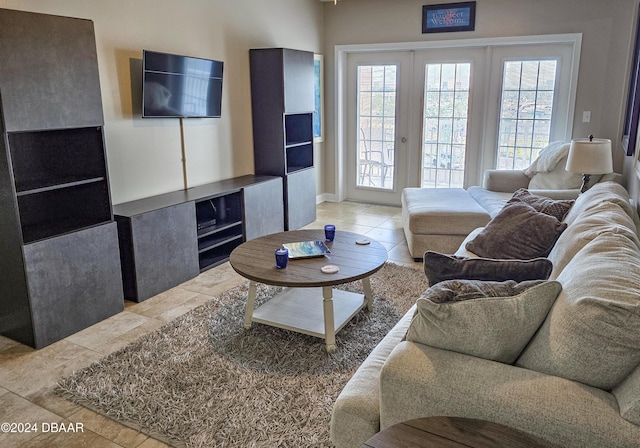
(180, 86)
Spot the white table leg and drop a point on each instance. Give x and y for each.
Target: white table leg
(329, 329)
(368, 293)
(251, 303)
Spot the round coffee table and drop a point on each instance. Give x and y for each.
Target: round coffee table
(307, 305)
(438, 432)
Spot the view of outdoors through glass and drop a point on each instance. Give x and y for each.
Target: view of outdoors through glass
(526, 106)
(376, 125)
(444, 128)
(525, 112)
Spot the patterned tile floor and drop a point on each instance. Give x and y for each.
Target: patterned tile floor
(28, 376)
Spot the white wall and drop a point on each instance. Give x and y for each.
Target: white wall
(604, 65)
(144, 155)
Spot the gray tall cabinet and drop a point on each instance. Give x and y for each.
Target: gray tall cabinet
(58, 242)
(282, 100)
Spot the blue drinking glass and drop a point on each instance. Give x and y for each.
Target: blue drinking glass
(282, 257)
(329, 232)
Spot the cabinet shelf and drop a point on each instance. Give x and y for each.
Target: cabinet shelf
(56, 211)
(298, 128)
(59, 186)
(218, 254)
(41, 159)
(212, 242)
(217, 228)
(299, 144)
(220, 228)
(219, 237)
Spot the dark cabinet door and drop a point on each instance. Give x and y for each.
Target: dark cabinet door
(298, 81)
(49, 72)
(300, 198)
(74, 281)
(159, 250)
(263, 208)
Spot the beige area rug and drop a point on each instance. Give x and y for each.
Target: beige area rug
(202, 380)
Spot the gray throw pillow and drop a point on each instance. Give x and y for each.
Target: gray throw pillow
(517, 232)
(558, 208)
(491, 327)
(439, 267)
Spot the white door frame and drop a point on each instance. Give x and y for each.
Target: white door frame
(340, 57)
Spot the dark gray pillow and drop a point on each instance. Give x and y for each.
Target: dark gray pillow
(558, 208)
(517, 232)
(439, 267)
(460, 290)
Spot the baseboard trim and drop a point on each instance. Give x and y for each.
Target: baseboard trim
(326, 197)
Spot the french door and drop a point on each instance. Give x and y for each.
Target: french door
(409, 121)
(378, 126)
(440, 117)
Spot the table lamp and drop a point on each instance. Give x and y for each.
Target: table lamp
(589, 156)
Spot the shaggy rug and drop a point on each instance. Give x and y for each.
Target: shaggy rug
(202, 380)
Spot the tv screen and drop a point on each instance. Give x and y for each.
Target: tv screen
(180, 86)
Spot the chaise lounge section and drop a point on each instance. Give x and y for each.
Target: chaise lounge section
(439, 219)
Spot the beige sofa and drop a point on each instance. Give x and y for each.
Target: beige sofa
(577, 382)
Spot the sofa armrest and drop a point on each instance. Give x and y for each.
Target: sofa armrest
(506, 181)
(421, 381)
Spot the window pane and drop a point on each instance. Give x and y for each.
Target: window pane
(512, 75)
(446, 113)
(376, 91)
(526, 108)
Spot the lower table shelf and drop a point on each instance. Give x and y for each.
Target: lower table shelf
(301, 310)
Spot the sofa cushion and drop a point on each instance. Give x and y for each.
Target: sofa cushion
(556, 208)
(592, 333)
(603, 192)
(441, 211)
(439, 267)
(628, 395)
(517, 232)
(492, 326)
(601, 217)
(491, 201)
(418, 381)
(558, 178)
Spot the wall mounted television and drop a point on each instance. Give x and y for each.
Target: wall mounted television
(180, 86)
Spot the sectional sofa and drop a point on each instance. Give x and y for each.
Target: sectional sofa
(576, 379)
(439, 219)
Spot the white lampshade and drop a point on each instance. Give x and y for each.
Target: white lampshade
(590, 156)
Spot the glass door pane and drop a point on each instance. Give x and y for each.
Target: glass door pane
(526, 105)
(376, 121)
(444, 127)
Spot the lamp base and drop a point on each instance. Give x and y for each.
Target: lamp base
(585, 182)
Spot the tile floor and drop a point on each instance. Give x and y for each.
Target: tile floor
(28, 376)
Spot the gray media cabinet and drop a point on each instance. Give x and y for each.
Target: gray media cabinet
(168, 239)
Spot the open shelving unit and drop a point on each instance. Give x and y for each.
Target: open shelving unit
(60, 181)
(220, 228)
(298, 141)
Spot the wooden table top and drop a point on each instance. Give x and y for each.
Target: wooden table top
(255, 259)
(452, 432)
